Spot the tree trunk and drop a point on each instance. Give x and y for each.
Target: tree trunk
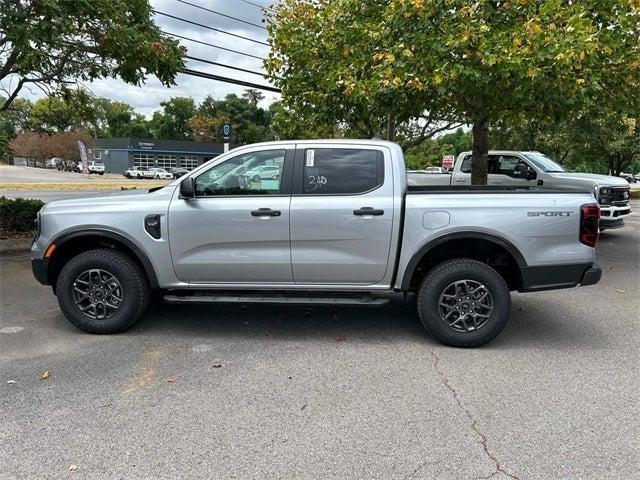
(391, 128)
(480, 151)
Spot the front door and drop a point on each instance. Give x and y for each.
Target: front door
(341, 215)
(507, 170)
(236, 229)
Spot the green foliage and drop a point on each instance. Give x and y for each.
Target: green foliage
(474, 62)
(49, 43)
(430, 152)
(249, 122)
(173, 121)
(18, 216)
(12, 121)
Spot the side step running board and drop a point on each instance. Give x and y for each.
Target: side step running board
(355, 300)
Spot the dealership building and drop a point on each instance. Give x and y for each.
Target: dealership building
(120, 154)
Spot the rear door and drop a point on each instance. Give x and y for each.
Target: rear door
(341, 214)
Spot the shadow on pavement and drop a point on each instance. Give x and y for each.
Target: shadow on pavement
(539, 326)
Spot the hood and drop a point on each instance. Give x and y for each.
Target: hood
(114, 198)
(592, 179)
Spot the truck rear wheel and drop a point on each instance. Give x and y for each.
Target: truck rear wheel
(464, 303)
(102, 291)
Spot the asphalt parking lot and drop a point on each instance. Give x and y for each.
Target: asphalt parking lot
(291, 392)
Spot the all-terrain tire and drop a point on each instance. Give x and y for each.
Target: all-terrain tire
(134, 290)
(443, 276)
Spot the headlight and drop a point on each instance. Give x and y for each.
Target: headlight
(603, 195)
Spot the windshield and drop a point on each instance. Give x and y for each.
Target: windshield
(544, 163)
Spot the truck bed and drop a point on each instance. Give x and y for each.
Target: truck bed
(418, 189)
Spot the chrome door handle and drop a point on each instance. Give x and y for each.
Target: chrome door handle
(368, 211)
(265, 212)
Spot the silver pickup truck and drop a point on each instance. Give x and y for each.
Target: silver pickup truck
(514, 168)
(336, 225)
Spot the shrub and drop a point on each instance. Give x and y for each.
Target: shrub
(18, 216)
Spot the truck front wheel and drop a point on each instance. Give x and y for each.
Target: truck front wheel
(464, 303)
(102, 291)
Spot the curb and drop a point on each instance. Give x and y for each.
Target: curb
(15, 245)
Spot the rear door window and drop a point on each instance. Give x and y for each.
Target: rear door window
(342, 171)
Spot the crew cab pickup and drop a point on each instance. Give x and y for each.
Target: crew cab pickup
(514, 168)
(338, 226)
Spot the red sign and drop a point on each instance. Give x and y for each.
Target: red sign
(447, 161)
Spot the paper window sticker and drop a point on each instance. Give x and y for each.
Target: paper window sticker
(310, 157)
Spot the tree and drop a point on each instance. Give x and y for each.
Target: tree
(431, 151)
(51, 43)
(609, 138)
(253, 96)
(13, 121)
(249, 122)
(121, 120)
(71, 109)
(173, 122)
(554, 138)
(477, 63)
(42, 146)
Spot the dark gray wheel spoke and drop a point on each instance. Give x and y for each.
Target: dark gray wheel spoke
(97, 293)
(465, 305)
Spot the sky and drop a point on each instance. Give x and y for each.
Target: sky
(146, 99)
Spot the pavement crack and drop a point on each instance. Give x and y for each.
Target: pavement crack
(473, 422)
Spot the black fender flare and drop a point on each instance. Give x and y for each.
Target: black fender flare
(422, 251)
(140, 254)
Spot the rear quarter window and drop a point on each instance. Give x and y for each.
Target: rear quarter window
(342, 171)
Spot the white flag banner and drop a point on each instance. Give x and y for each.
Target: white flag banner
(83, 157)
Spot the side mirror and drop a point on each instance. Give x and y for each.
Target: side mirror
(187, 188)
(530, 175)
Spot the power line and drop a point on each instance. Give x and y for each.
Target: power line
(210, 76)
(259, 6)
(222, 14)
(212, 45)
(210, 62)
(211, 28)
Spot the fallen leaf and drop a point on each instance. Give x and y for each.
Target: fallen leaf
(620, 291)
(216, 365)
(340, 338)
(72, 468)
(303, 406)
(45, 375)
(612, 268)
(11, 382)
(171, 380)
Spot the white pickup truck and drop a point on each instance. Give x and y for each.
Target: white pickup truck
(515, 168)
(338, 226)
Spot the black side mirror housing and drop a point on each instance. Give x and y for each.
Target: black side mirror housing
(531, 175)
(187, 188)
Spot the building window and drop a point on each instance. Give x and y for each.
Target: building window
(143, 160)
(167, 161)
(189, 162)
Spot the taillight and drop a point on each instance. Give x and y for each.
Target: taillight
(589, 224)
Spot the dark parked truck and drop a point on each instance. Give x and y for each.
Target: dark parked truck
(337, 224)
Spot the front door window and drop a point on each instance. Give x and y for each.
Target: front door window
(256, 173)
